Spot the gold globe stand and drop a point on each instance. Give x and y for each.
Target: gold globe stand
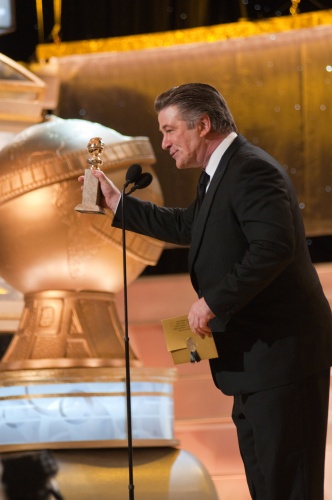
(62, 384)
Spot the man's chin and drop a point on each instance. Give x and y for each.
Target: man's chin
(183, 166)
(180, 164)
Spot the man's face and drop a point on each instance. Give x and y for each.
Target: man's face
(186, 146)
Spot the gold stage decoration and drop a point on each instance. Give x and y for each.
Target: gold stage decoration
(21, 95)
(294, 9)
(63, 375)
(160, 473)
(202, 34)
(277, 86)
(67, 264)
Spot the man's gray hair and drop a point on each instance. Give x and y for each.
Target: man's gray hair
(196, 99)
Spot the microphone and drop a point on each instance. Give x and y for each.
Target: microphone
(144, 180)
(133, 173)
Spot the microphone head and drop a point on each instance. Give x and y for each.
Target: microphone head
(133, 173)
(144, 180)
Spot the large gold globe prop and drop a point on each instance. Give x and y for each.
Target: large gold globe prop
(46, 245)
(68, 264)
(67, 357)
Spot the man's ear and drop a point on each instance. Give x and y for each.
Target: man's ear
(205, 125)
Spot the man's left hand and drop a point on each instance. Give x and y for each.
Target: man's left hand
(199, 317)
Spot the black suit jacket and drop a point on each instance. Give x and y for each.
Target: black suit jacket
(249, 259)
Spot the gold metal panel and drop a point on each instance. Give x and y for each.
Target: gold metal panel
(188, 36)
(161, 473)
(276, 84)
(44, 337)
(80, 374)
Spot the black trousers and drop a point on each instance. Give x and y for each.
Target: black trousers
(282, 439)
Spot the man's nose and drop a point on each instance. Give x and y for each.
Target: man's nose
(165, 143)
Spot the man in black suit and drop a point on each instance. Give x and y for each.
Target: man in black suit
(258, 292)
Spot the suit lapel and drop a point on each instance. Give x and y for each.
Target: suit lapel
(199, 224)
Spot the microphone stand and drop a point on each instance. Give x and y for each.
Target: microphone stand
(140, 181)
(127, 352)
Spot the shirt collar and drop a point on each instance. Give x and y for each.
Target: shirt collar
(218, 153)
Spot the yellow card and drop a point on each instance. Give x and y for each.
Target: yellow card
(183, 344)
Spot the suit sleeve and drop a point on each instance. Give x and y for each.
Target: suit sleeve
(172, 225)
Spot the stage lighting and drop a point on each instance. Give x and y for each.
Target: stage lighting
(7, 16)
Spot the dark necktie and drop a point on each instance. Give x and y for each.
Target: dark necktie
(201, 189)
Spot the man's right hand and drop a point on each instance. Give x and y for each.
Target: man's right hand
(111, 194)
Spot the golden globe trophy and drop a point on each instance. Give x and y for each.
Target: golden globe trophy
(91, 190)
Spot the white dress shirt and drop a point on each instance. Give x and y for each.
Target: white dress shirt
(217, 154)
